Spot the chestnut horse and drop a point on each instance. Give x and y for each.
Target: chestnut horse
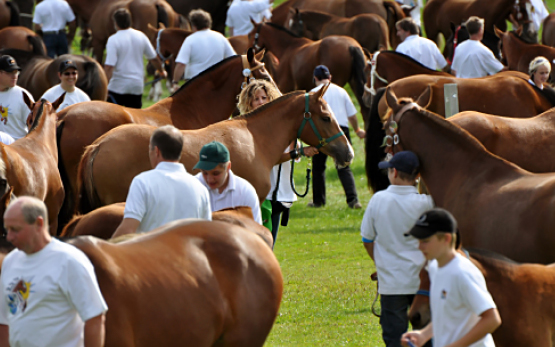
(23, 39)
(298, 56)
(369, 29)
(191, 107)
(216, 8)
(187, 283)
(548, 33)
(29, 166)
(9, 14)
(524, 295)
(498, 205)
(254, 141)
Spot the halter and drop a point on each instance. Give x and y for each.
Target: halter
(374, 74)
(247, 71)
(256, 36)
(394, 128)
(308, 118)
(160, 55)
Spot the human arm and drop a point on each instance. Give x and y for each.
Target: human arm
(127, 226)
(354, 123)
(38, 28)
(230, 31)
(108, 70)
(178, 72)
(418, 337)
(158, 66)
(72, 27)
(369, 246)
(95, 331)
(489, 321)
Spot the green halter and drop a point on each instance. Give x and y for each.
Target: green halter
(308, 117)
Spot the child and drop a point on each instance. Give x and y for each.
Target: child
(463, 312)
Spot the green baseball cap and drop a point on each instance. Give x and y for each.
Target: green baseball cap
(211, 155)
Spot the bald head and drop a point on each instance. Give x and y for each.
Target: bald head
(30, 207)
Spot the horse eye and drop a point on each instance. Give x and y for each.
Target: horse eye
(326, 119)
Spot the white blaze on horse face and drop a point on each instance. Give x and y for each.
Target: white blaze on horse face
(290, 23)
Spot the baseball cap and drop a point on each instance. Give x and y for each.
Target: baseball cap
(436, 220)
(8, 63)
(321, 72)
(67, 64)
(211, 155)
(405, 161)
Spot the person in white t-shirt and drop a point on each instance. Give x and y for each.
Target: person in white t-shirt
(473, 59)
(421, 49)
(463, 311)
(165, 193)
(390, 214)
(124, 62)
(50, 295)
(51, 17)
(226, 189)
(241, 12)
(200, 50)
(345, 112)
(68, 75)
(13, 109)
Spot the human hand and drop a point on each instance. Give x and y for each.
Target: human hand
(175, 87)
(163, 74)
(360, 133)
(309, 151)
(412, 339)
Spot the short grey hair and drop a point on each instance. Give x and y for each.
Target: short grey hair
(31, 209)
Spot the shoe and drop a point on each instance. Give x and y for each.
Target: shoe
(355, 205)
(312, 204)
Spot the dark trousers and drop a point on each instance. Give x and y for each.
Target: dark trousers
(129, 100)
(56, 44)
(319, 178)
(394, 319)
(279, 213)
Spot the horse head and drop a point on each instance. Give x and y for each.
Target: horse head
(295, 23)
(503, 37)
(521, 15)
(37, 110)
(256, 67)
(458, 35)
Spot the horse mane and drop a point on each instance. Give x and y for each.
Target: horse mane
(407, 58)
(483, 255)
(38, 116)
(372, 143)
(205, 72)
(515, 35)
(279, 27)
(262, 108)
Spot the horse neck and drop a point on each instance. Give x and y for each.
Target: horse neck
(172, 39)
(315, 21)
(393, 67)
(498, 10)
(84, 9)
(278, 41)
(514, 49)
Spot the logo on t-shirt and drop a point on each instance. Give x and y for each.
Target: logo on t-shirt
(3, 114)
(18, 293)
(443, 294)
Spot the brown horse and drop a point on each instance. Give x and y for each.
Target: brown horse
(369, 29)
(298, 56)
(390, 11)
(548, 33)
(256, 141)
(21, 38)
(438, 15)
(188, 283)
(9, 14)
(29, 165)
(523, 294)
(216, 8)
(490, 197)
(191, 107)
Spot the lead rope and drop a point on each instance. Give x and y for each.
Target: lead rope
(308, 171)
(374, 277)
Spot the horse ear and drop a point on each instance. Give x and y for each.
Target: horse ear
(518, 30)
(425, 98)
(391, 100)
(323, 90)
(498, 33)
(161, 25)
(27, 101)
(58, 102)
(453, 27)
(152, 28)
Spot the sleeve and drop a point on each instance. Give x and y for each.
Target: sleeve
(3, 303)
(69, 15)
(184, 52)
(206, 212)
(493, 65)
(439, 58)
(229, 51)
(37, 19)
(135, 204)
(148, 51)
(111, 52)
(267, 13)
(49, 95)
(229, 18)
(81, 287)
(258, 5)
(367, 230)
(474, 292)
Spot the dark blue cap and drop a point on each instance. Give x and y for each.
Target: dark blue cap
(321, 72)
(436, 220)
(405, 161)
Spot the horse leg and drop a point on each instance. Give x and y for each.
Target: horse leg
(98, 48)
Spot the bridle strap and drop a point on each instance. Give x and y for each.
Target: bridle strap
(256, 35)
(247, 70)
(373, 74)
(308, 118)
(160, 55)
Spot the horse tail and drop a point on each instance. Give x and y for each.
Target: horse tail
(69, 229)
(374, 152)
(162, 16)
(358, 79)
(37, 44)
(91, 80)
(87, 197)
(66, 211)
(14, 13)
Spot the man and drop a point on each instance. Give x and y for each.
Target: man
(463, 311)
(50, 296)
(200, 50)
(165, 193)
(241, 12)
(13, 109)
(390, 213)
(124, 62)
(345, 113)
(418, 48)
(472, 58)
(68, 75)
(226, 189)
(51, 17)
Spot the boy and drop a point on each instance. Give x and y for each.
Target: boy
(389, 215)
(463, 312)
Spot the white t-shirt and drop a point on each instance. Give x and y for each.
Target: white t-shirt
(473, 60)
(6, 138)
(240, 13)
(340, 103)
(458, 295)
(74, 97)
(423, 51)
(285, 193)
(539, 13)
(47, 296)
(201, 50)
(390, 214)
(239, 192)
(14, 112)
(124, 51)
(165, 194)
(53, 15)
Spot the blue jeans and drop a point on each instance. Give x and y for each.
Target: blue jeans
(56, 44)
(394, 319)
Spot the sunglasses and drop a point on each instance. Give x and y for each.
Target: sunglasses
(70, 73)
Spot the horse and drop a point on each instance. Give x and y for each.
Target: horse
(40, 72)
(298, 56)
(9, 14)
(216, 8)
(548, 33)
(191, 107)
(25, 12)
(438, 15)
(29, 165)
(369, 29)
(490, 197)
(22, 38)
(518, 54)
(255, 140)
(188, 283)
(390, 11)
(523, 294)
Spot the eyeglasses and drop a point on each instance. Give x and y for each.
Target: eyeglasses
(73, 73)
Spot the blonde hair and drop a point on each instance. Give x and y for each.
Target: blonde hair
(536, 63)
(247, 94)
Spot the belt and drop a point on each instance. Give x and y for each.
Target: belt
(55, 32)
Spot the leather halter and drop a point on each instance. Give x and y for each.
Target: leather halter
(247, 70)
(374, 74)
(256, 36)
(394, 127)
(308, 118)
(160, 55)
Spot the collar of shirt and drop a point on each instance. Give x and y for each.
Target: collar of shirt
(402, 189)
(170, 166)
(411, 37)
(231, 184)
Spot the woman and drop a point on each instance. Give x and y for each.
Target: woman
(255, 94)
(539, 71)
